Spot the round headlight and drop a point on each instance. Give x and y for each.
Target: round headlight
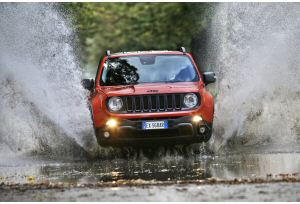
(190, 100)
(115, 104)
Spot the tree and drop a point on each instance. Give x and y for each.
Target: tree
(135, 26)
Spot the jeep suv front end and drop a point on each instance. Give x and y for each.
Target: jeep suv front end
(150, 98)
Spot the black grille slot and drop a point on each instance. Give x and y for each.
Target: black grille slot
(177, 99)
(145, 103)
(161, 102)
(137, 103)
(169, 101)
(129, 104)
(154, 103)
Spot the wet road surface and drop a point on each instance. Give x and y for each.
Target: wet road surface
(163, 169)
(191, 192)
(195, 173)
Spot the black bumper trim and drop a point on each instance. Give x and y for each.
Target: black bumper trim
(130, 133)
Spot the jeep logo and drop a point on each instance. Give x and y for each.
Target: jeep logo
(152, 91)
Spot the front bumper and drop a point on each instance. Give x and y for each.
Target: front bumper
(129, 132)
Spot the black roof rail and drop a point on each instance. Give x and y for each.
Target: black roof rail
(182, 49)
(108, 53)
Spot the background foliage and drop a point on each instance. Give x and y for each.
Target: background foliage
(135, 26)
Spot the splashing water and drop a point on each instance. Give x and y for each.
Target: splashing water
(42, 104)
(255, 52)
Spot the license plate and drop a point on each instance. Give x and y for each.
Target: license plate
(149, 125)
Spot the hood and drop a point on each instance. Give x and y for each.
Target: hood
(151, 88)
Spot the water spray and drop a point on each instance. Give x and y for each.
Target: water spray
(42, 105)
(254, 50)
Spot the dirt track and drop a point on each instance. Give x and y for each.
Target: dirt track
(179, 192)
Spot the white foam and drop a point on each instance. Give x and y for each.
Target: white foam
(42, 104)
(254, 49)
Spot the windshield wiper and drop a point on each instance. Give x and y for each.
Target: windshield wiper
(172, 81)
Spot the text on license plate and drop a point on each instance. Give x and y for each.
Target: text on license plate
(148, 125)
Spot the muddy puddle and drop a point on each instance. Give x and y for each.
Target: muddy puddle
(176, 168)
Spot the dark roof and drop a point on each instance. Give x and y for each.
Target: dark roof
(146, 52)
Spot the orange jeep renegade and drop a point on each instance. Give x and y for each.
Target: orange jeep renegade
(150, 97)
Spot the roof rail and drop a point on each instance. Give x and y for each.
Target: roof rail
(182, 49)
(108, 53)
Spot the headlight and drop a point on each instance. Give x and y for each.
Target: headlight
(115, 104)
(190, 100)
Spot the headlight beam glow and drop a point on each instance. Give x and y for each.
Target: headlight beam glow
(197, 118)
(111, 123)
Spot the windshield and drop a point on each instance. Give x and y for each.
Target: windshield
(148, 69)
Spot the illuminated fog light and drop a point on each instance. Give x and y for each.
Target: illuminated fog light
(106, 134)
(111, 123)
(197, 118)
(202, 129)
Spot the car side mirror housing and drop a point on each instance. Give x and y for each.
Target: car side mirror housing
(88, 84)
(209, 77)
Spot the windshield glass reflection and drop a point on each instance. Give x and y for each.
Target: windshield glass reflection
(148, 69)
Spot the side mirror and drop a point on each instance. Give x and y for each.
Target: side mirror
(88, 84)
(209, 77)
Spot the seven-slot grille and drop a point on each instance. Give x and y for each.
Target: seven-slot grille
(153, 103)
